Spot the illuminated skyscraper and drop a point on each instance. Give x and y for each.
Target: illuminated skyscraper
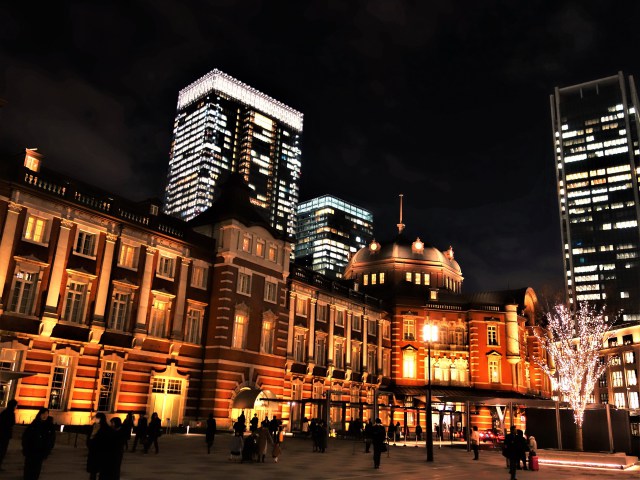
(223, 125)
(595, 135)
(329, 231)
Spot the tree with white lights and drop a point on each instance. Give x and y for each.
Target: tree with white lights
(572, 341)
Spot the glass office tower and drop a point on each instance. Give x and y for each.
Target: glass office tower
(223, 125)
(595, 135)
(329, 231)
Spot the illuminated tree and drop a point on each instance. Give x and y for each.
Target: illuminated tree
(572, 341)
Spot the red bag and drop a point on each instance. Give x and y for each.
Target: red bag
(533, 463)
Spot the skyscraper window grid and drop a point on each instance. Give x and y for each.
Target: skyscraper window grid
(595, 134)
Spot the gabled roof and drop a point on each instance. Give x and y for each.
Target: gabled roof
(234, 202)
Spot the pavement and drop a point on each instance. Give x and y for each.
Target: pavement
(183, 456)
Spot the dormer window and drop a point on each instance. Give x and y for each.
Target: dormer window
(417, 246)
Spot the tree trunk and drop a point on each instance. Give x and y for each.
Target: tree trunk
(579, 445)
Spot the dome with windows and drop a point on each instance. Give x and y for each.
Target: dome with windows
(403, 248)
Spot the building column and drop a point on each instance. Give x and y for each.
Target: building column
(312, 331)
(332, 321)
(99, 322)
(379, 338)
(145, 290)
(292, 315)
(365, 343)
(6, 245)
(349, 316)
(178, 318)
(50, 316)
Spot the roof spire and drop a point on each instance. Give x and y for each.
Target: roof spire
(400, 225)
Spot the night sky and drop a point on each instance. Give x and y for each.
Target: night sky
(446, 102)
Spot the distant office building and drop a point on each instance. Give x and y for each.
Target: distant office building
(329, 231)
(223, 125)
(595, 135)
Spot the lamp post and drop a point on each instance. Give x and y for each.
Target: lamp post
(429, 334)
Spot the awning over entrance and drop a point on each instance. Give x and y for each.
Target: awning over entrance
(7, 376)
(473, 395)
(246, 398)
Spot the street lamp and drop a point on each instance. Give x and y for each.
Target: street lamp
(429, 334)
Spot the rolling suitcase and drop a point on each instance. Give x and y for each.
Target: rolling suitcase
(533, 463)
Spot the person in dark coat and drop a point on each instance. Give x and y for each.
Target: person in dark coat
(127, 427)
(100, 444)
(514, 447)
(36, 445)
(523, 457)
(242, 420)
(418, 433)
(141, 431)
(321, 432)
(378, 441)
(7, 421)
(367, 436)
(313, 431)
(154, 430)
(210, 433)
(254, 423)
(250, 448)
(273, 427)
(51, 434)
(119, 442)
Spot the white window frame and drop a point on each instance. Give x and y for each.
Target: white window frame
(193, 323)
(270, 291)
(199, 274)
(108, 384)
(158, 322)
(340, 315)
(272, 253)
(86, 243)
(16, 304)
(166, 266)
(320, 350)
(61, 373)
(69, 312)
(356, 357)
(240, 326)
(246, 243)
(409, 363)
(408, 329)
(299, 345)
(493, 365)
(268, 335)
(302, 306)
(493, 338)
(120, 309)
(244, 283)
(338, 360)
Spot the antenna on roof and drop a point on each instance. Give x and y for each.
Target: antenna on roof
(400, 225)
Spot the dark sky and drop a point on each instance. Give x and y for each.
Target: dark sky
(446, 102)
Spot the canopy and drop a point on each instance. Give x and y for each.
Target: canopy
(7, 376)
(246, 398)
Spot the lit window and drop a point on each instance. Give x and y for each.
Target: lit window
(270, 291)
(372, 360)
(629, 357)
(633, 400)
(365, 279)
(244, 283)
(617, 379)
(59, 383)
(433, 295)
(35, 230)
(301, 306)
(268, 334)
(246, 244)
(492, 335)
(239, 331)
(386, 330)
(407, 276)
(260, 245)
(356, 352)
(619, 400)
(417, 279)
(374, 279)
(494, 371)
(158, 318)
(199, 276)
(356, 323)
(193, 325)
(632, 378)
(409, 363)
(409, 329)
(128, 256)
(381, 278)
(273, 253)
(386, 363)
(85, 243)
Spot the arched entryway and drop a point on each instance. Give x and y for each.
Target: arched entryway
(251, 401)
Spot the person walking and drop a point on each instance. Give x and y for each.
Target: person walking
(7, 421)
(254, 423)
(367, 436)
(250, 447)
(210, 433)
(36, 445)
(533, 449)
(100, 445)
(523, 456)
(273, 427)
(313, 431)
(141, 431)
(321, 432)
(475, 442)
(127, 428)
(277, 451)
(514, 446)
(235, 447)
(378, 441)
(265, 440)
(154, 430)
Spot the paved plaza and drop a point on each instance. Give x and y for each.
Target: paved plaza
(184, 456)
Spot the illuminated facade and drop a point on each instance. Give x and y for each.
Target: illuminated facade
(484, 346)
(223, 125)
(595, 135)
(329, 231)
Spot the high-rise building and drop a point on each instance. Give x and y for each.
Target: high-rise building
(223, 125)
(595, 139)
(329, 231)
